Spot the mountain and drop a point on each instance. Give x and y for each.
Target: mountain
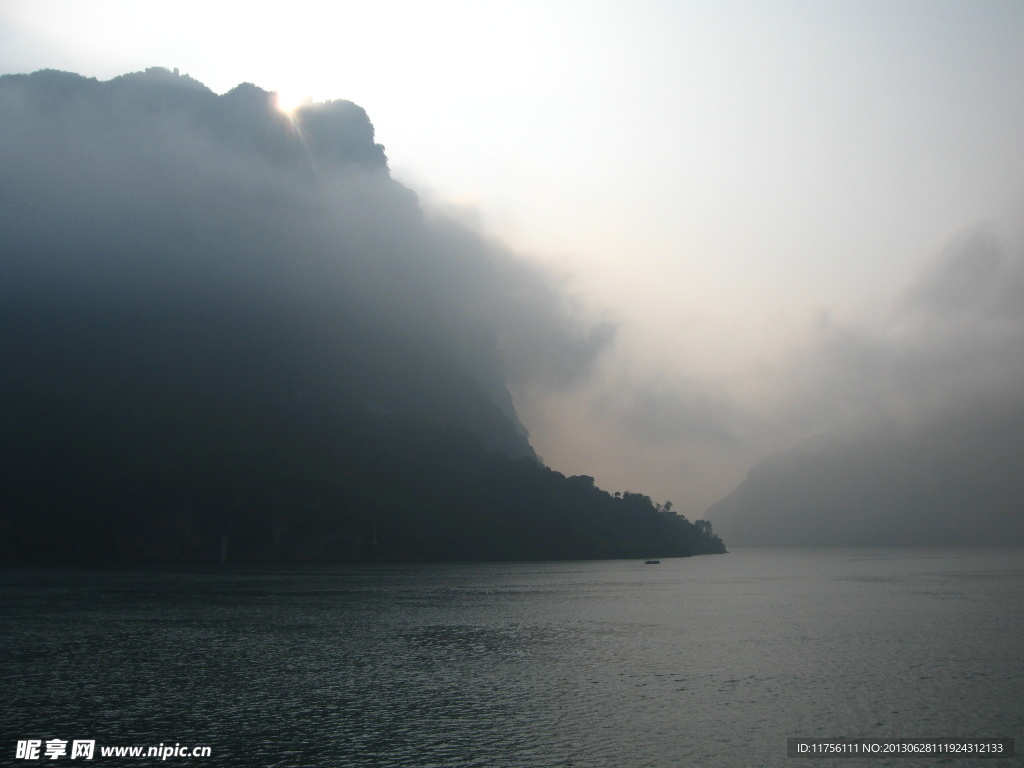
(225, 328)
(955, 480)
(190, 238)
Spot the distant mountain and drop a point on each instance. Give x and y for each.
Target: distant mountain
(956, 480)
(224, 328)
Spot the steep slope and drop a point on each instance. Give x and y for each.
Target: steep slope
(229, 332)
(209, 242)
(958, 480)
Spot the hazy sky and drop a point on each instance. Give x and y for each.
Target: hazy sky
(721, 179)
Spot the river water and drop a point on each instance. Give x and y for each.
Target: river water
(704, 661)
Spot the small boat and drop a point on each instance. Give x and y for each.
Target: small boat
(652, 562)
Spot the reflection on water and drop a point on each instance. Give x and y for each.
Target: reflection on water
(701, 661)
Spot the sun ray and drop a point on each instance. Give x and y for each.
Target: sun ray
(290, 103)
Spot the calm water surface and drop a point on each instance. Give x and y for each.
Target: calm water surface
(706, 661)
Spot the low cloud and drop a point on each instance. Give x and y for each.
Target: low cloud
(672, 412)
(150, 189)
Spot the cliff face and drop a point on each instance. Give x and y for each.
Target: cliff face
(226, 327)
(162, 238)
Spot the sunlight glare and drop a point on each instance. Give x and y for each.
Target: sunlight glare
(289, 103)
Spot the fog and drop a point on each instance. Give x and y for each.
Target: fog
(916, 410)
(150, 190)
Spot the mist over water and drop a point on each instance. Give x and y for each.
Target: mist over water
(698, 661)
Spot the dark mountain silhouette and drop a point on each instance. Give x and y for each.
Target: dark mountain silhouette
(225, 329)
